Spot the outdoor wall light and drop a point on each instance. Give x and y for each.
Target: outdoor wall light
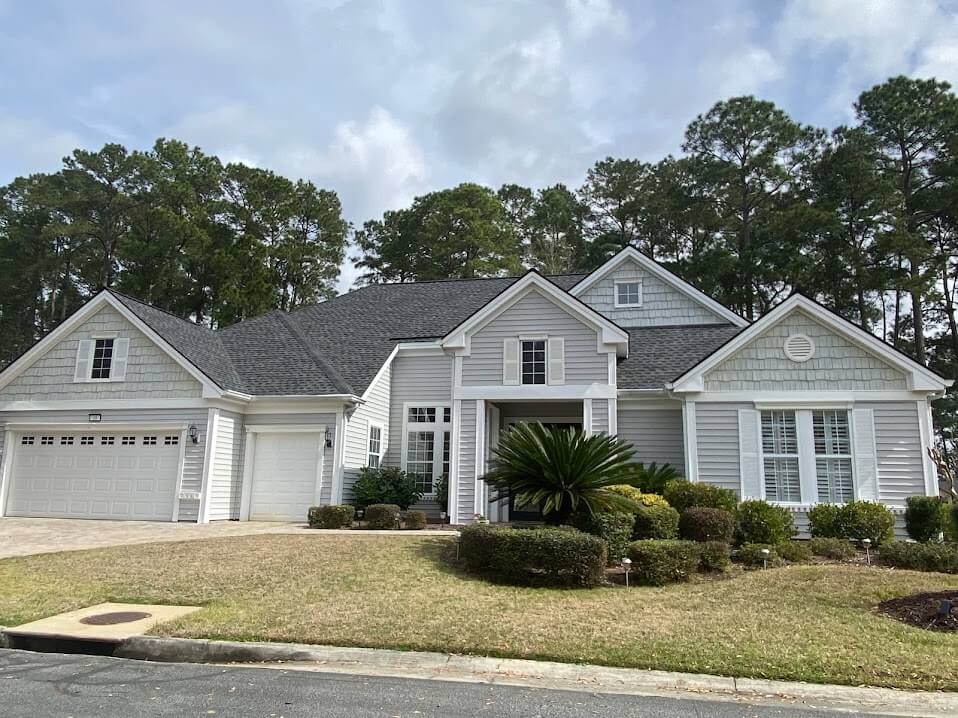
(94, 418)
(329, 438)
(193, 433)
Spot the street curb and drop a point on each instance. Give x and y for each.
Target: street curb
(539, 674)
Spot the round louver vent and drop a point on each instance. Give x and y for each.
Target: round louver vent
(799, 347)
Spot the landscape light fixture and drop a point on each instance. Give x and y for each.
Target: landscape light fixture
(867, 544)
(627, 565)
(765, 555)
(193, 433)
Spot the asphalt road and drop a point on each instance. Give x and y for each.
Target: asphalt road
(72, 686)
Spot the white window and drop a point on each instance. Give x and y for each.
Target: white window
(628, 294)
(780, 458)
(375, 452)
(86, 441)
(833, 456)
(533, 361)
(102, 358)
(426, 444)
(171, 440)
(149, 441)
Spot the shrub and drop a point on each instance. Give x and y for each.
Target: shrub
(414, 520)
(682, 494)
(761, 522)
(331, 517)
(923, 518)
(385, 485)
(834, 548)
(441, 489)
(823, 521)
(700, 523)
(750, 554)
(631, 492)
(950, 521)
(656, 522)
(715, 556)
(866, 519)
(656, 563)
(534, 556)
(613, 528)
(920, 556)
(794, 551)
(653, 478)
(382, 516)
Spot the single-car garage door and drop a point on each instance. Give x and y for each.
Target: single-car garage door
(286, 475)
(120, 475)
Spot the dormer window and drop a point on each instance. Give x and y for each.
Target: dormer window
(102, 358)
(628, 294)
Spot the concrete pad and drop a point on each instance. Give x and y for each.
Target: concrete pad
(72, 625)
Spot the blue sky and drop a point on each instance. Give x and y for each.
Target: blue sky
(382, 100)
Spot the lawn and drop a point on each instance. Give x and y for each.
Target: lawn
(811, 623)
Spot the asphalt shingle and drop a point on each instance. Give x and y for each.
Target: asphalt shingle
(657, 355)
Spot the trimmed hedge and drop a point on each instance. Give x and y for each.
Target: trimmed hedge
(833, 548)
(682, 495)
(854, 520)
(700, 523)
(761, 522)
(750, 554)
(385, 485)
(715, 556)
(656, 563)
(414, 520)
(920, 556)
(794, 551)
(613, 528)
(331, 517)
(923, 518)
(382, 516)
(823, 521)
(525, 557)
(656, 522)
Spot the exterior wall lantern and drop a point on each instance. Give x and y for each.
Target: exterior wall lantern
(193, 433)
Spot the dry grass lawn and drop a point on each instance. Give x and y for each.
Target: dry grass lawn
(811, 623)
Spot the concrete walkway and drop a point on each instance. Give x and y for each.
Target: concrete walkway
(23, 537)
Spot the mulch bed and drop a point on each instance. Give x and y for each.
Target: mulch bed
(921, 610)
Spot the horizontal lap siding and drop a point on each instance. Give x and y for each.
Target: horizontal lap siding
(467, 462)
(716, 428)
(900, 452)
(655, 434)
(375, 411)
(424, 380)
(535, 314)
(600, 416)
(226, 475)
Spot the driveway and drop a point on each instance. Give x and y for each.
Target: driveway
(22, 537)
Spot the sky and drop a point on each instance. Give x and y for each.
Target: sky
(384, 100)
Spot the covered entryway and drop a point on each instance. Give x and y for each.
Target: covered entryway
(286, 475)
(123, 474)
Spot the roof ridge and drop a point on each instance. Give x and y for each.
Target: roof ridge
(334, 375)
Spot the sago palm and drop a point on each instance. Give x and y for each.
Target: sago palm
(560, 470)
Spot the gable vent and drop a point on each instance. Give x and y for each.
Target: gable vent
(799, 348)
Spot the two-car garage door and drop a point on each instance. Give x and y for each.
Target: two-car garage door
(119, 475)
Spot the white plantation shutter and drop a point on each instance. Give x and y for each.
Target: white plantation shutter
(121, 351)
(556, 358)
(866, 463)
(749, 453)
(84, 356)
(510, 362)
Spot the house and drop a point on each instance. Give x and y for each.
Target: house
(127, 412)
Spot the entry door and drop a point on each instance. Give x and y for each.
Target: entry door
(286, 478)
(530, 513)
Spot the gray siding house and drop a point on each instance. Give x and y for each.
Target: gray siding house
(127, 412)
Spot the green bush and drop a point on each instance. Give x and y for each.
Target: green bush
(923, 518)
(761, 522)
(613, 528)
(385, 485)
(716, 556)
(949, 520)
(750, 554)
(682, 494)
(382, 516)
(700, 523)
(794, 551)
(631, 492)
(653, 478)
(920, 556)
(656, 563)
(656, 522)
(833, 548)
(523, 557)
(823, 521)
(414, 520)
(866, 519)
(331, 517)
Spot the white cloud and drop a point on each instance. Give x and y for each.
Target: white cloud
(34, 144)
(587, 17)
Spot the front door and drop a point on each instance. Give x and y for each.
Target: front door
(534, 513)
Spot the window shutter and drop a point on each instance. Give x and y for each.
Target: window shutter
(866, 463)
(84, 354)
(749, 454)
(556, 358)
(510, 362)
(121, 350)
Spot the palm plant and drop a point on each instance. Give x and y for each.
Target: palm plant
(560, 470)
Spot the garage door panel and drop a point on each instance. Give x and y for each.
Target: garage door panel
(284, 476)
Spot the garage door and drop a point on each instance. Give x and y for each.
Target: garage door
(285, 475)
(95, 475)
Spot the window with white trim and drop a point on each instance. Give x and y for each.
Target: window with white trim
(374, 454)
(102, 358)
(533, 361)
(427, 431)
(780, 458)
(628, 294)
(833, 456)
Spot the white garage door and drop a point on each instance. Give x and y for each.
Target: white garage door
(121, 475)
(286, 477)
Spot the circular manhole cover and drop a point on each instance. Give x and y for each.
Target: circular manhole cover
(111, 619)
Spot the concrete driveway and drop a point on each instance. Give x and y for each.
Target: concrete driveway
(22, 537)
